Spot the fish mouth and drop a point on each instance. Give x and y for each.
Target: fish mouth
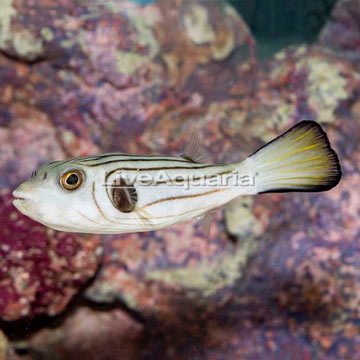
(21, 203)
(18, 198)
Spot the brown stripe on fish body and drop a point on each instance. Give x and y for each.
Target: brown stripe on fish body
(87, 218)
(96, 203)
(54, 164)
(103, 156)
(136, 218)
(181, 197)
(138, 160)
(97, 157)
(179, 181)
(121, 156)
(167, 168)
(193, 167)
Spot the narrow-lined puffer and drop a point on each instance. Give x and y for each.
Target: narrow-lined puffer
(118, 193)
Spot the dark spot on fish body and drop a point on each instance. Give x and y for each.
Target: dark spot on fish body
(124, 196)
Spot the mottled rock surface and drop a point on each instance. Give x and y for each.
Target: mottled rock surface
(105, 74)
(118, 76)
(96, 77)
(300, 291)
(341, 34)
(40, 269)
(303, 285)
(91, 335)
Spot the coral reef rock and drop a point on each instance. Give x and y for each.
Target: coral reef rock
(341, 33)
(103, 73)
(90, 335)
(302, 289)
(40, 269)
(303, 246)
(278, 276)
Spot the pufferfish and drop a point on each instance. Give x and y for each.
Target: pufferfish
(121, 193)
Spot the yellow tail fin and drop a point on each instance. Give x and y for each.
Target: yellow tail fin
(299, 160)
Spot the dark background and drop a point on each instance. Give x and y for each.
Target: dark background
(279, 23)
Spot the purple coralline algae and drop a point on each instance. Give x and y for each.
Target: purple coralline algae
(40, 269)
(278, 277)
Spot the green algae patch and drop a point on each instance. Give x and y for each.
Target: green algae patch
(326, 87)
(240, 219)
(6, 14)
(23, 41)
(222, 51)
(128, 62)
(26, 45)
(209, 277)
(197, 26)
(47, 34)
(143, 46)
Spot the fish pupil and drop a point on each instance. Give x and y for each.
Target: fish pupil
(72, 179)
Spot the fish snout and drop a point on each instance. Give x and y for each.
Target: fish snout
(23, 192)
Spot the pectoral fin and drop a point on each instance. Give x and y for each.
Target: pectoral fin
(206, 220)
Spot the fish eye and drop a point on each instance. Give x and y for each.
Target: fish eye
(71, 180)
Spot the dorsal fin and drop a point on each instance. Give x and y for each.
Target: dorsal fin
(193, 150)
